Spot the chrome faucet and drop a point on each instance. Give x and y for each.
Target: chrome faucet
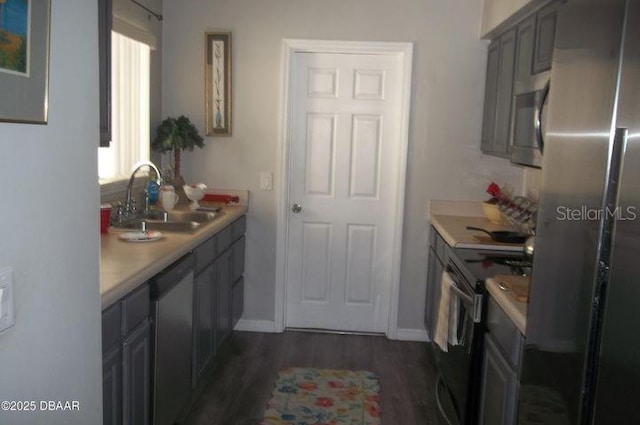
(129, 206)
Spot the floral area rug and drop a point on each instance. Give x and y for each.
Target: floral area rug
(324, 397)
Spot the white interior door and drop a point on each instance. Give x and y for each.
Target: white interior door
(344, 175)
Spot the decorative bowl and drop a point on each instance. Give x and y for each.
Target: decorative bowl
(492, 212)
(194, 192)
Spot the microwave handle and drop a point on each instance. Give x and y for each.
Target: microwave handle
(539, 123)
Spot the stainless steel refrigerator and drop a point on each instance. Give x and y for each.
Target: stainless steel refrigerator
(581, 361)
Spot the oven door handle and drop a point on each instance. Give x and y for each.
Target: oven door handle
(462, 296)
(474, 303)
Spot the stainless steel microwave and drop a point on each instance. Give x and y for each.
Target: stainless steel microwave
(528, 119)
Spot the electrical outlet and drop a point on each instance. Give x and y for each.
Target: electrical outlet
(7, 318)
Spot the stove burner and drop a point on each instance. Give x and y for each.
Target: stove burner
(517, 263)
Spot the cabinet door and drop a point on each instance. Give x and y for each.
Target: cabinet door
(204, 321)
(432, 293)
(237, 252)
(112, 386)
(223, 294)
(104, 55)
(545, 38)
(505, 93)
(437, 270)
(499, 388)
(237, 303)
(526, 41)
(491, 89)
(136, 372)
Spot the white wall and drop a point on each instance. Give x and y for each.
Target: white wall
(497, 11)
(445, 161)
(49, 234)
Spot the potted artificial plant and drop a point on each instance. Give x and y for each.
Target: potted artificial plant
(176, 134)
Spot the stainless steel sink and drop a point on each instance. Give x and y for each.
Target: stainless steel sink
(163, 226)
(181, 216)
(170, 221)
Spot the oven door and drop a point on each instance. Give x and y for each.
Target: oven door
(456, 365)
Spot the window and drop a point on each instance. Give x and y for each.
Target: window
(130, 75)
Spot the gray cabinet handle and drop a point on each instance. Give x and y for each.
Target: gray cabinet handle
(296, 208)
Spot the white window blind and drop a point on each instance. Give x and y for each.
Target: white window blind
(130, 75)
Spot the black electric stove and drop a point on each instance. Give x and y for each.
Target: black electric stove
(479, 264)
(461, 366)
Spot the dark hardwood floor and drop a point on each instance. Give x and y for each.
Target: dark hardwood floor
(239, 385)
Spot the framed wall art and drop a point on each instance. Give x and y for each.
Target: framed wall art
(24, 60)
(218, 83)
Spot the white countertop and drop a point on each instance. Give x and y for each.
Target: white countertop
(516, 311)
(125, 265)
(453, 229)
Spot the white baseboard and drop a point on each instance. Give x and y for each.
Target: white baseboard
(412, 335)
(268, 326)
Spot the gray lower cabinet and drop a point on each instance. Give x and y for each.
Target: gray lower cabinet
(218, 294)
(126, 360)
(500, 369)
(204, 321)
(112, 386)
(136, 372)
(434, 276)
(223, 283)
(237, 271)
(218, 300)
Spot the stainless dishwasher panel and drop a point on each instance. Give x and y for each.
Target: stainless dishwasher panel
(172, 293)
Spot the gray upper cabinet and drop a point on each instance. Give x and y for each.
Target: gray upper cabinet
(505, 93)
(491, 89)
(526, 41)
(104, 54)
(545, 38)
(498, 94)
(514, 56)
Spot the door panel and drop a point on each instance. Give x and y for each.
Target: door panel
(320, 154)
(344, 162)
(361, 248)
(365, 156)
(316, 262)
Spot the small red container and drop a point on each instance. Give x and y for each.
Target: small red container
(105, 215)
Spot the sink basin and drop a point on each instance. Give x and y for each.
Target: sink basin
(170, 221)
(181, 216)
(163, 226)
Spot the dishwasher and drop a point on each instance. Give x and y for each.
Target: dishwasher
(172, 295)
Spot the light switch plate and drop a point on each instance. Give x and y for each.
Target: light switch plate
(7, 317)
(266, 180)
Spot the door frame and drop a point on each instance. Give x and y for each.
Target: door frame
(291, 47)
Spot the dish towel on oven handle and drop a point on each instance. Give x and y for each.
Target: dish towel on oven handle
(448, 311)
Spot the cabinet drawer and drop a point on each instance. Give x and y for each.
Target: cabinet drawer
(224, 239)
(135, 309)
(111, 327)
(238, 227)
(505, 333)
(205, 253)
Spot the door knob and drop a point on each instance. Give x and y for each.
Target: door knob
(296, 208)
